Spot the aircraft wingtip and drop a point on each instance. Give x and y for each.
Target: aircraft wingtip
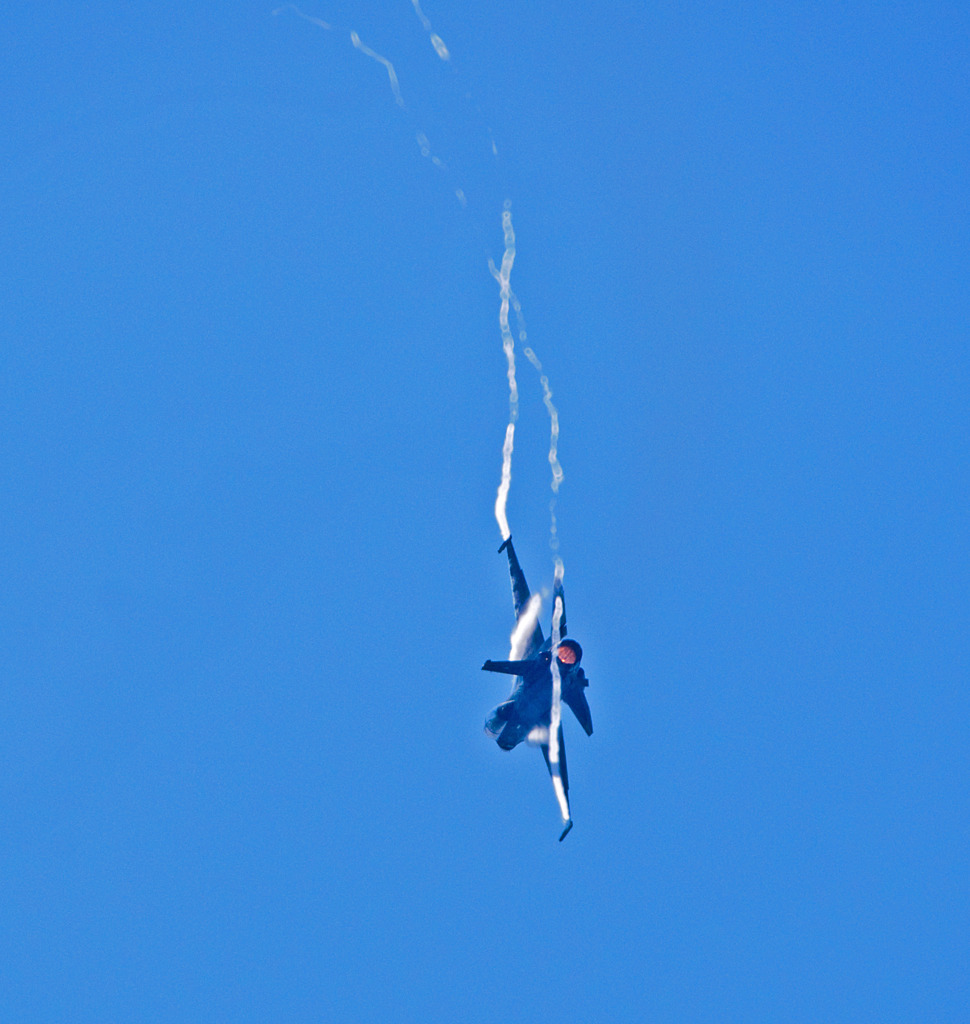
(565, 831)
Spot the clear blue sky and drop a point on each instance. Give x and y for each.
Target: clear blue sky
(252, 406)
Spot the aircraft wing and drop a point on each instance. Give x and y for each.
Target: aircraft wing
(520, 598)
(510, 668)
(564, 775)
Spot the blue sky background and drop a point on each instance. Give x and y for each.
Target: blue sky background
(252, 407)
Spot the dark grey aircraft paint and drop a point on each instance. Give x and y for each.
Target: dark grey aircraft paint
(528, 709)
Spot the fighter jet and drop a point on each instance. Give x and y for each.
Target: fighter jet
(527, 714)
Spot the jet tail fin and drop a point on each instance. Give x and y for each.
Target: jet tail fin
(498, 718)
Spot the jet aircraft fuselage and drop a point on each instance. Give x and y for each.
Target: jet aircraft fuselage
(527, 712)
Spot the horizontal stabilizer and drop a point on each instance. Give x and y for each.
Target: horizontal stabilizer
(509, 668)
(512, 735)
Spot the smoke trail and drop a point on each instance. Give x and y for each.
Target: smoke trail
(555, 717)
(355, 39)
(423, 142)
(554, 464)
(391, 73)
(502, 275)
(296, 10)
(440, 49)
(425, 146)
(436, 41)
(553, 420)
(555, 714)
(502, 496)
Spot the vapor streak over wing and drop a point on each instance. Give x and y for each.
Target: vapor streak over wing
(524, 627)
(555, 718)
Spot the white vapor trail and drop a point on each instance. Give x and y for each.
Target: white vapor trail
(296, 10)
(436, 41)
(425, 146)
(502, 497)
(391, 73)
(524, 627)
(502, 275)
(557, 473)
(440, 49)
(355, 39)
(554, 464)
(555, 713)
(555, 717)
(553, 420)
